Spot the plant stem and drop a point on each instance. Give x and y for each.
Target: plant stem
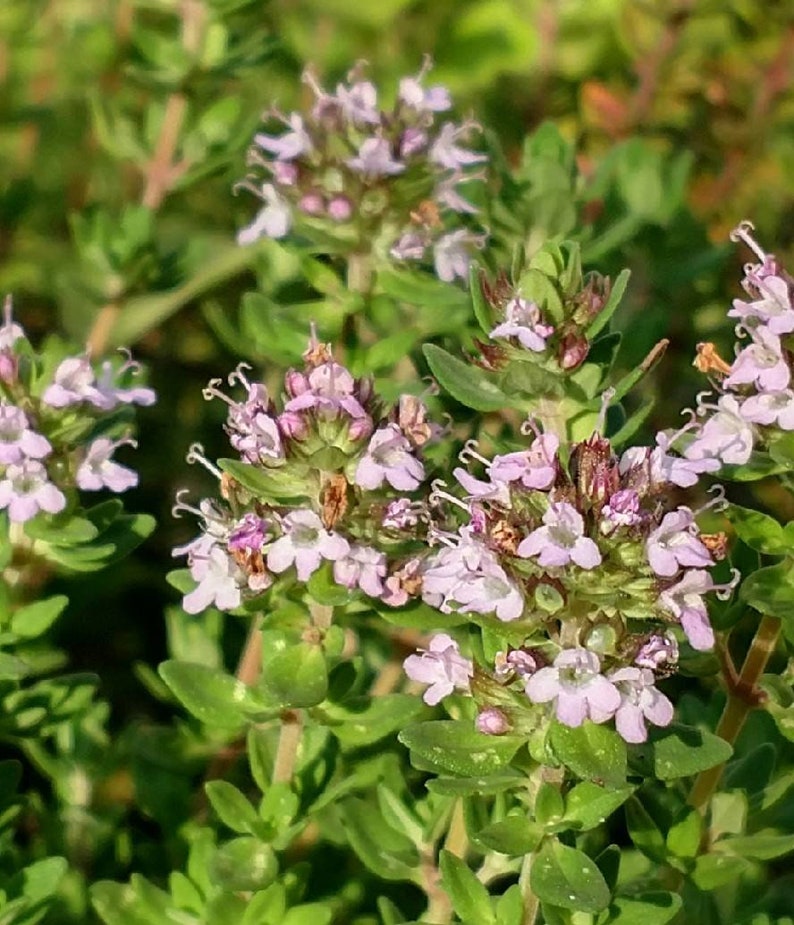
(530, 901)
(743, 696)
(287, 749)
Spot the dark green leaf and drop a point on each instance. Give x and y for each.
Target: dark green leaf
(591, 751)
(465, 382)
(759, 531)
(645, 908)
(469, 898)
(587, 805)
(211, 695)
(679, 751)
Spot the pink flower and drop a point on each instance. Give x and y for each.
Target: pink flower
(306, 543)
(770, 408)
(374, 159)
(685, 602)
(446, 153)
(523, 321)
(577, 687)
(533, 468)
(17, 439)
(639, 701)
(290, 145)
(98, 471)
(773, 308)
(561, 540)
(762, 363)
(219, 579)
(674, 544)
(25, 489)
(273, 220)
(389, 458)
(362, 567)
(442, 667)
(725, 436)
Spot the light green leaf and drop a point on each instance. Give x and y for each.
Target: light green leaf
(244, 864)
(211, 695)
(458, 747)
(470, 899)
(587, 805)
(464, 381)
(591, 751)
(566, 877)
(645, 908)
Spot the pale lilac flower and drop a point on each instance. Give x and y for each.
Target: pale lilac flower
(400, 514)
(249, 534)
(112, 395)
(452, 254)
(359, 102)
(17, 440)
(674, 544)
(622, 510)
(523, 321)
(535, 468)
(412, 141)
(410, 246)
(273, 220)
(683, 472)
(292, 144)
(447, 195)
(389, 458)
(762, 363)
(561, 540)
(773, 308)
(74, 382)
(305, 542)
(639, 701)
(218, 577)
(685, 602)
(98, 471)
(770, 408)
(491, 721)
(375, 159)
(659, 652)
(489, 591)
(442, 667)
(252, 430)
(25, 489)
(423, 99)
(725, 436)
(494, 491)
(363, 567)
(578, 688)
(446, 153)
(453, 566)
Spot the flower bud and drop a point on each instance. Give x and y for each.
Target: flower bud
(340, 209)
(595, 469)
(492, 722)
(572, 352)
(311, 204)
(295, 383)
(293, 425)
(9, 367)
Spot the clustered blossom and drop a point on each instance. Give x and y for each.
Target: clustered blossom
(330, 446)
(584, 548)
(754, 393)
(556, 342)
(32, 445)
(374, 178)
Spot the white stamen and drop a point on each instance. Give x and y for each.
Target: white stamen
(437, 494)
(742, 233)
(195, 454)
(469, 452)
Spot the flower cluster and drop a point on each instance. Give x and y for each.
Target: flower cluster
(580, 553)
(51, 432)
(554, 339)
(755, 397)
(317, 481)
(373, 179)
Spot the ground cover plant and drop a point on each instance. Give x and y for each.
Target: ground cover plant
(394, 486)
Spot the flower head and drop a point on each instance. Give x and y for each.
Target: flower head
(577, 688)
(442, 667)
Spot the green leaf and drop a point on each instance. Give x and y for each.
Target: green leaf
(587, 805)
(232, 807)
(762, 846)
(510, 907)
(469, 786)
(758, 531)
(458, 747)
(464, 381)
(12, 668)
(715, 870)
(295, 675)
(615, 295)
(771, 590)
(679, 751)
(276, 484)
(645, 833)
(419, 288)
(514, 835)
(568, 878)
(482, 310)
(244, 863)
(361, 721)
(591, 751)
(549, 805)
(34, 619)
(760, 465)
(684, 835)
(211, 695)
(469, 898)
(646, 908)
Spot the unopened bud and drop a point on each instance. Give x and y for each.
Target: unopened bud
(492, 722)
